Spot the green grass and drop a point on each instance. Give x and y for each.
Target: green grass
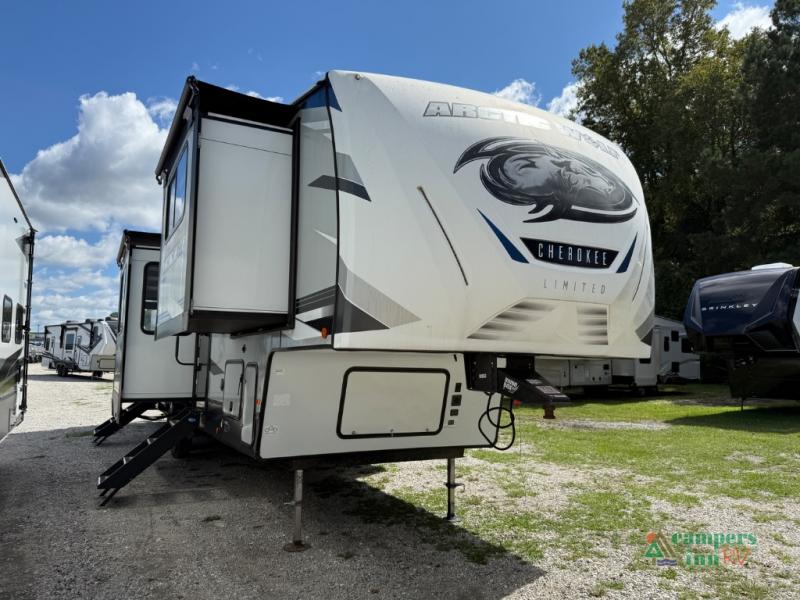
(709, 451)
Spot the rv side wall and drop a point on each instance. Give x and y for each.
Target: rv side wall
(243, 219)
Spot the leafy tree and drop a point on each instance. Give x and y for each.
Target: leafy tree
(675, 94)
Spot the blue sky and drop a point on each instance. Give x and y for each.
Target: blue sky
(88, 88)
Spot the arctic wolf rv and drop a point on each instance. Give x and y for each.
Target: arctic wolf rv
(16, 268)
(671, 360)
(369, 268)
(80, 347)
(148, 374)
(751, 318)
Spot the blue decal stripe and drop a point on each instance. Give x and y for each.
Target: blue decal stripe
(627, 260)
(510, 248)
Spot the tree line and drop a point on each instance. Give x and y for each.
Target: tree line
(712, 125)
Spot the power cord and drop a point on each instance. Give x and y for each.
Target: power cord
(498, 425)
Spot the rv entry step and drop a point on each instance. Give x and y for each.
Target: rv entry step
(121, 473)
(105, 430)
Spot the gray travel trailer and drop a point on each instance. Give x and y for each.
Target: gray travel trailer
(368, 269)
(671, 361)
(80, 347)
(148, 374)
(16, 270)
(752, 320)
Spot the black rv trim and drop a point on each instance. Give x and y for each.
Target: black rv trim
(357, 369)
(336, 303)
(16, 197)
(26, 353)
(220, 101)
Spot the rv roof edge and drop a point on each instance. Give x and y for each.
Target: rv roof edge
(144, 238)
(208, 98)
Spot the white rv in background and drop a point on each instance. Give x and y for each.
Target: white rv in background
(367, 270)
(80, 347)
(671, 361)
(16, 268)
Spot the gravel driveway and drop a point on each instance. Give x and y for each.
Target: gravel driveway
(210, 526)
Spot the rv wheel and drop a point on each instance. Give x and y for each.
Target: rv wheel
(60, 371)
(97, 374)
(182, 447)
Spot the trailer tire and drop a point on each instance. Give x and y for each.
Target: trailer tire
(182, 448)
(61, 371)
(97, 374)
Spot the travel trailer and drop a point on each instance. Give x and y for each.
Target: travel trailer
(752, 319)
(80, 347)
(369, 268)
(148, 374)
(16, 269)
(670, 361)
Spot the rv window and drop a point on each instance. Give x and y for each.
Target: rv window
(19, 326)
(685, 345)
(70, 343)
(150, 298)
(176, 194)
(674, 335)
(7, 309)
(666, 344)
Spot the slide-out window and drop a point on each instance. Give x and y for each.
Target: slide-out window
(7, 314)
(176, 194)
(150, 298)
(19, 324)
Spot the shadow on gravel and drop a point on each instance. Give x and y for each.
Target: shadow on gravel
(221, 500)
(72, 378)
(764, 419)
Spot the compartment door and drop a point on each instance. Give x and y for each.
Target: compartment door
(250, 391)
(232, 391)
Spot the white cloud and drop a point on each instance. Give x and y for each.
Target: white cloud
(195, 66)
(57, 308)
(74, 252)
(162, 110)
(520, 90)
(235, 88)
(60, 281)
(743, 19)
(103, 174)
(563, 104)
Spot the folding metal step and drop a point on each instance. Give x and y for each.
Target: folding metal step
(107, 429)
(147, 452)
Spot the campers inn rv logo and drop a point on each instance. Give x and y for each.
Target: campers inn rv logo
(699, 549)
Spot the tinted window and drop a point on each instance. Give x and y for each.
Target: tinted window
(674, 335)
(70, 341)
(150, 298)
(7, 310)
(685, 345)
(20, 323)
(666, 343)
(176, 194)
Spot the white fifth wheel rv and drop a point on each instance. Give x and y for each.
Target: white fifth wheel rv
(80, 347)
(16, 269)
(148, 374)
(368, 268)
(671, 361)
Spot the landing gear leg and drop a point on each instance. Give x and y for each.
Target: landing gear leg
(451, 486)
(297, 544)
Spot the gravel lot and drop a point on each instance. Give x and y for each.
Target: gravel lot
(214, 525)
